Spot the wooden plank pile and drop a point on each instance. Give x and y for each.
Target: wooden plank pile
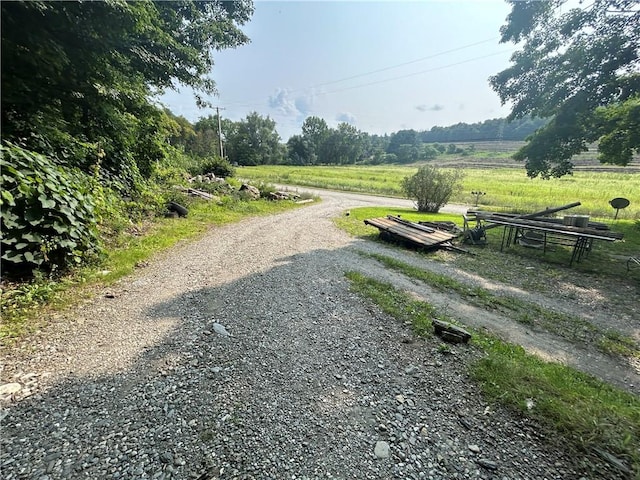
(418, 235)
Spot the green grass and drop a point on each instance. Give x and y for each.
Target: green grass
(570, 327)
(25, 306)
(586, 412)
(354, 223)
(606, 259)
(507, 189)
(500, 266)
(396, 303)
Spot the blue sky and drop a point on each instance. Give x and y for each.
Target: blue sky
(381, 66)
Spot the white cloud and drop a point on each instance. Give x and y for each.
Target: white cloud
(305, 104)
(284, 103)
(346, 117)
(281, 102)
(433, 108)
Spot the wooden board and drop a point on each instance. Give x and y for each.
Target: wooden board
(411, 232)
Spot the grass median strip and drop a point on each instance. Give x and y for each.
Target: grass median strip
(592, 415)
(570, 327)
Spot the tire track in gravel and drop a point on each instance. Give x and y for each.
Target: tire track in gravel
(311, 378)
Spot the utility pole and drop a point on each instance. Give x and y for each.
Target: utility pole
(220, 131)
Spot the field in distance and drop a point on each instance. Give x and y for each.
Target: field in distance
(504, 181)
(492, 154)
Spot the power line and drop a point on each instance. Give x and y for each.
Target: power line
(405, 63)
(421, 72)
(391, 67)
(415, 73)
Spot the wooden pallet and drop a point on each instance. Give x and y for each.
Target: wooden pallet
(414, 233)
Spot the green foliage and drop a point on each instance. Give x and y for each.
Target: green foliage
(220, 167)
(584, 410)
(395, 302)
(48, 214)
(300, 151)
(316, 132)
(496, 129)
(22, 303)
(254, 141)
(319, 144)
(453, 149)
(429, 152)
(343, 145)
(79, 82)
(574, 329)
(508, 189)
(578, 66)
(432, 187)
(619, 128)
(205, 138)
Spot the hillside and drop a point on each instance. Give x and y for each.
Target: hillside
(490, 154)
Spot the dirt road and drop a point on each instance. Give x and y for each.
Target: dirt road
(245, 355)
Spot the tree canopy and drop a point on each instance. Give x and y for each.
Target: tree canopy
(80, 77)
(580, 67)
(254, 141)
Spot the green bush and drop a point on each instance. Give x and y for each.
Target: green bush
(220, 167)
(431, 187)
(47, 214)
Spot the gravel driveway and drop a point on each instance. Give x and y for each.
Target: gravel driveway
(245, 355)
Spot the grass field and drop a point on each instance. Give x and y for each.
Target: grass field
(507, 189)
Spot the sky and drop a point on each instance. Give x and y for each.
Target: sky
(381, 66)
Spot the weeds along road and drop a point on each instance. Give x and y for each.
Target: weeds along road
(245, 355)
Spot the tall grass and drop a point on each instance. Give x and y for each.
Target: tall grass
(506, 188)
(510, 189)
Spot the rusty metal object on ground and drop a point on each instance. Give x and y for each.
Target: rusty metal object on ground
(450, 332)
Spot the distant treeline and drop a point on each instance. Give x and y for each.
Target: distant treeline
(254, 140)
(489, 130)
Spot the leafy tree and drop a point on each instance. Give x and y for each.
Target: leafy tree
(316, 133)
(408, 153)
(300, 151)
(429, 152)
(375, 145)
(453, 149)
(255, 141)
(431, 187)
(400, 138)
(488, 130)
(578, 67)
(220, 167)
(346, 144)
(78, 77)
(205, 142)
(181, 132)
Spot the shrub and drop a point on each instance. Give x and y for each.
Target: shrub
(220, 167)
(431, 187)
(47, 214)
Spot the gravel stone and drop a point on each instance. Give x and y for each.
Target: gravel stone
(137, 385)
(382, 449)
